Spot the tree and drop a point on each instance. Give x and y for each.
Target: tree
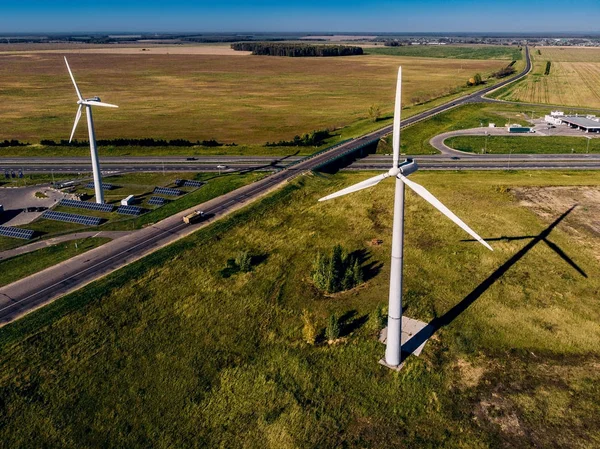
(309, 331)
(338, 272)
(244, 261)
(376, 319)
(332, 332)
(478, 79)
(374, 112)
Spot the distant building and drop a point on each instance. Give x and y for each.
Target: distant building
(589, 124)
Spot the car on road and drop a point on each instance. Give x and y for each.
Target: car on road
(221, 167)
(191, 158)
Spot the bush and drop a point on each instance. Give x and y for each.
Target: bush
(332, 332)
(376, 320)
(338, 272)
(309, 330)
(243, 260)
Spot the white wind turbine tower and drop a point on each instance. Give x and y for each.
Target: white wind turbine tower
(88, 103)
(400, 172)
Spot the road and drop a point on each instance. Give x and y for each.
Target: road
(28, 294)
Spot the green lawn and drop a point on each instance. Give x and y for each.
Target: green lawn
(415, 139)
(168, 352)
(450, 51)
(525, 145)
(24, 265)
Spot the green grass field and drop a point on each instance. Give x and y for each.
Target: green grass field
(168, 352)
(415, 138)
(525, 145)
(24, 265)
(451, 52)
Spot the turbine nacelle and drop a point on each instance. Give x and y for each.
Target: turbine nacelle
(94, 101)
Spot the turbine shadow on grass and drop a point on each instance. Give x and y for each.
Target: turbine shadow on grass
(423, 335)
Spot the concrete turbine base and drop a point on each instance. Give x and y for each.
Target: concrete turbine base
(410, 328)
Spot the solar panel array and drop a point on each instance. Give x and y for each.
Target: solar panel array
(72, 218)
(167, 191)
(157, 201)
(86, 205)
(188, 183)
(18, 233)
(90, 185)
(129, 210)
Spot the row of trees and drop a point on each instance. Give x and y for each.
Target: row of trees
(296, 50)
(312, 139)
(337, 272)
(505, 71)
(12, 143)
(148, 142)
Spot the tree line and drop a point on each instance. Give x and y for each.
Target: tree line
(312, 139)
(296, 50)
(505, 71)
(12, 143)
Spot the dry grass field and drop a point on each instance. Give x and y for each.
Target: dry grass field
(574, 78)
(249, 99)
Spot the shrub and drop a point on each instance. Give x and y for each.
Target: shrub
(332, 332)
(376, 320)
(309, 330)
(243, 260)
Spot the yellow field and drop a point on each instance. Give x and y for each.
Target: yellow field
(242, 99)
(574, 78)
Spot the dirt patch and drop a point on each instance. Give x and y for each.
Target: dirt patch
(498, 411)
(551, 202)
(470, 375)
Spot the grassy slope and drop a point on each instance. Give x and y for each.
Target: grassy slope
(168, 353)
(21, 266)
(524, 145)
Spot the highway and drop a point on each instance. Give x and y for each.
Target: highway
(30, 293)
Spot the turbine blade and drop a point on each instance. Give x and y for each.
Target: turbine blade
(77, 117)
(427, 196)
(99, 103)
(73, 79)
(397, 113)
(361, 185)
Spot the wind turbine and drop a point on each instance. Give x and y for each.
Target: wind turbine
(88, 103)
(400, 172)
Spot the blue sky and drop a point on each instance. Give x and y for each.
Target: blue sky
(292, 15)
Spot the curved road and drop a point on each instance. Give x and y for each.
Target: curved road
(27, 294)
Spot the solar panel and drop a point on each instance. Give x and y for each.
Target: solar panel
(157, 201)
(188, 183)
(167, 191)
(130, 210)
(86, 205)
(90, 185)
(17, 233)
(72, 218)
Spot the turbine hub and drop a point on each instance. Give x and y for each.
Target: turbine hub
(394, 171)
